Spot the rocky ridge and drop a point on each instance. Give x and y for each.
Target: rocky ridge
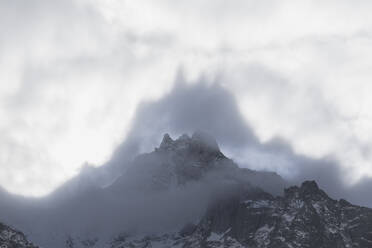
(304, 217)
(10, 238)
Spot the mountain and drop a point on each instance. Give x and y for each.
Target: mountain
(304, 217)
(10, 238)
(187, 193)
(198, 158)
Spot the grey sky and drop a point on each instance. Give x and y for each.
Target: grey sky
(74, 72)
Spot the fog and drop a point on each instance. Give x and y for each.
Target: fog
(109, 200)
(85, 80)
(210, 107)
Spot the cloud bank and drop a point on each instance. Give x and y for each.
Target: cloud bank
(74, 73)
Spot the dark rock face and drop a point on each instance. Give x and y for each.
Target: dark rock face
(10, 238)
(304, 217)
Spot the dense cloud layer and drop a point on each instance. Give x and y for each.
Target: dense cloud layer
(74, 72)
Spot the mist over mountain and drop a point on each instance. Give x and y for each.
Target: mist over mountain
(210, 107)
(137, 196)
(160, 191)
(185, 124)
(187, 193)
(304, 216)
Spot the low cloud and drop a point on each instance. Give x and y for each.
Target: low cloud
(186, 108)
(210, 107)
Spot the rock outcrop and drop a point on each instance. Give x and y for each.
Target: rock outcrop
(11, 238)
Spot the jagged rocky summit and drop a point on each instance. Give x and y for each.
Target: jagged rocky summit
(192, 159)
(10, 238)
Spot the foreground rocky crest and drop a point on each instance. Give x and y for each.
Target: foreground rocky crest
(304, 217)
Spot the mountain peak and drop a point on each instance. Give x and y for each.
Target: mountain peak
(308, 190)
(199, 139)
(309, 186)
(167, 142)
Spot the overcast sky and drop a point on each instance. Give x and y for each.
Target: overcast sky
(73, 72)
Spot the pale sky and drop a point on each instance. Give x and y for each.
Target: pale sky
(73, 72)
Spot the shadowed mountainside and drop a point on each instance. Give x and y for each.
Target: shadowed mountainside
(189, 185)
(304, 217)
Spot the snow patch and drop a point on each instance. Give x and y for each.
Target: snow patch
(214, 237)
